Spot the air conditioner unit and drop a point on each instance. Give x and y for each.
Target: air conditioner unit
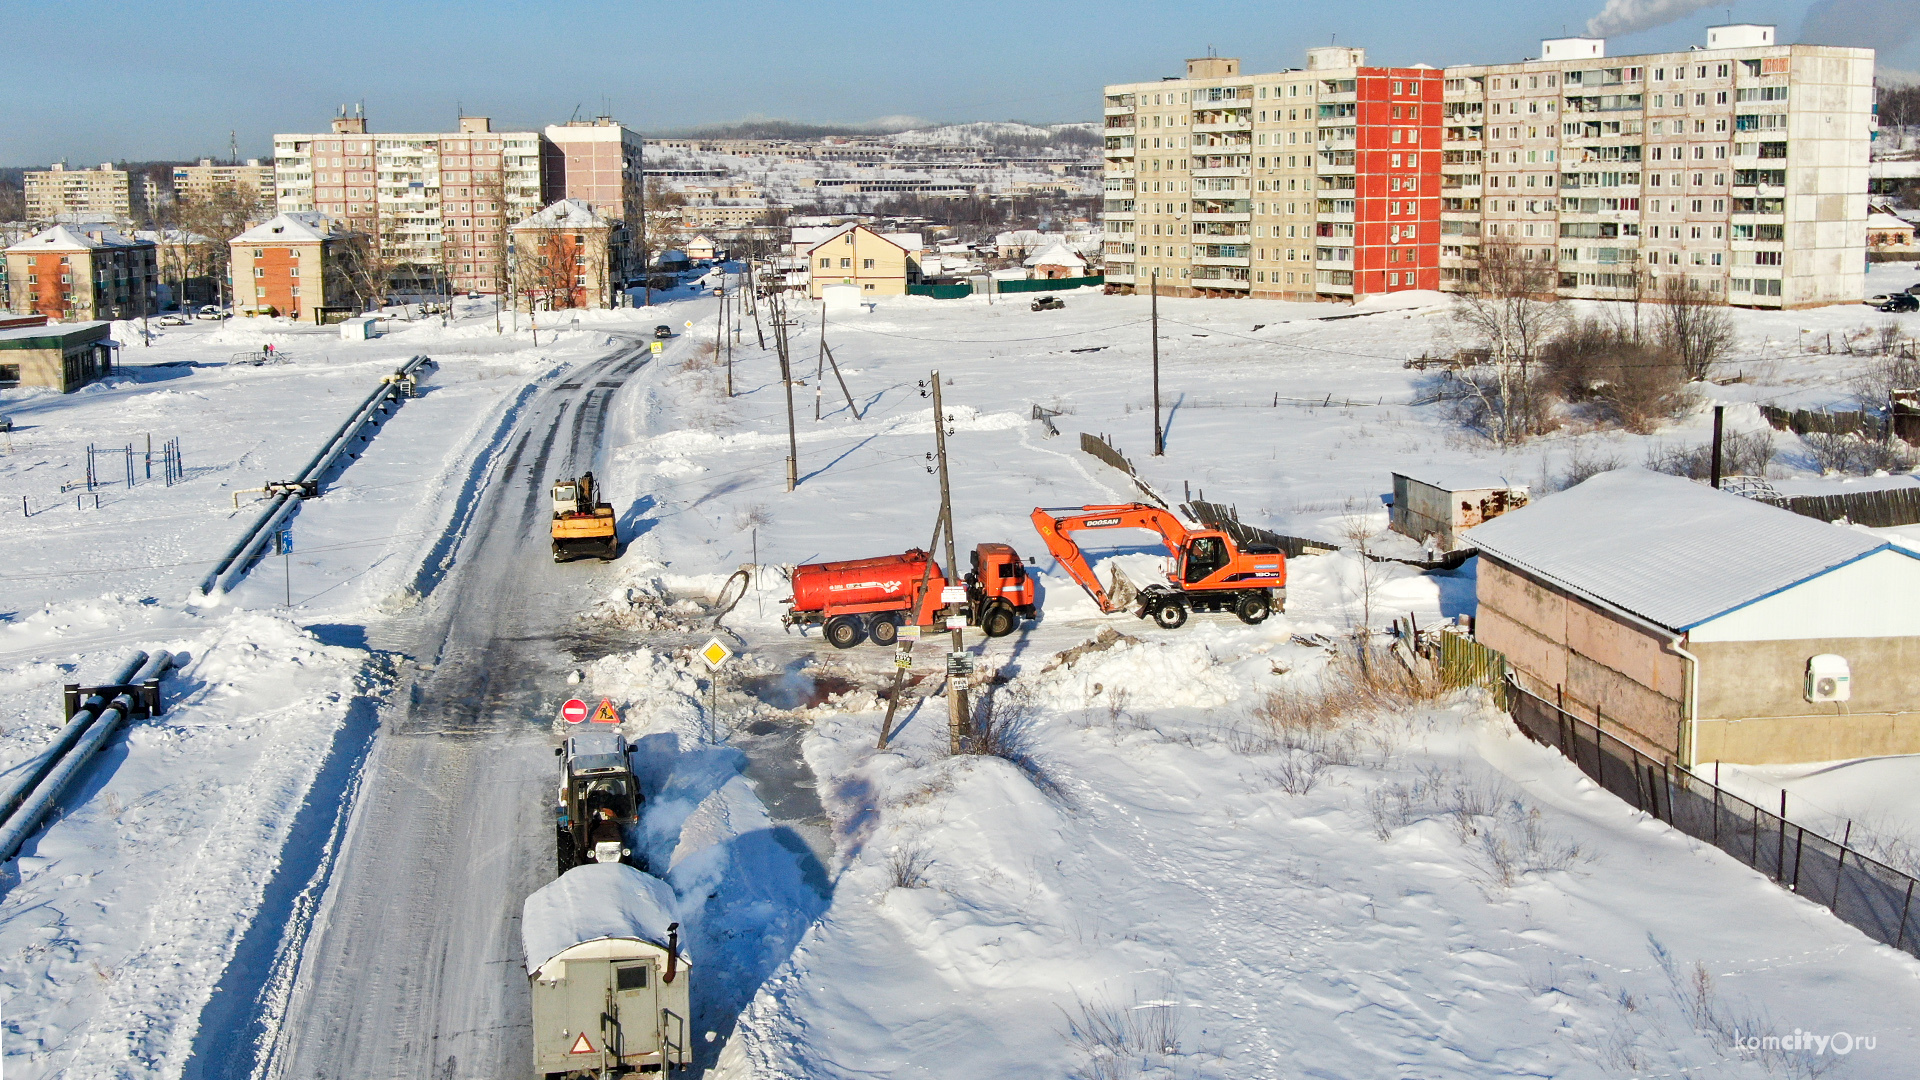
(1828, 678)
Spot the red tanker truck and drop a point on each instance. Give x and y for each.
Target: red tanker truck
(873, 598)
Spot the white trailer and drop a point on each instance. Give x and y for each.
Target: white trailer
(608, 980)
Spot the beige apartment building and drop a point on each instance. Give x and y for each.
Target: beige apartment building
(569, 255)
(1739, 167)
(253, 180)
(856, 255)
(442, 202)
(79, 195)
(298, 265)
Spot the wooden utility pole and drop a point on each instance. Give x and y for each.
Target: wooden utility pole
(728, 313)
(820, 363)
(720, 332)
(779, 313)
(906, 651)
(956, 679)
(753, 306)
(1159, 436)
(1719, 414)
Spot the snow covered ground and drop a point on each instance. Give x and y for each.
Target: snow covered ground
(1153, 878)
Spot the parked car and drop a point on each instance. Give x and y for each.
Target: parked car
(209, 312)
(1900, 301)
(171, 320)
(1049, 303)
(663, 331)
(6, 423)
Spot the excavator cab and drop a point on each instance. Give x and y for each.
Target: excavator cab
(1205, 556)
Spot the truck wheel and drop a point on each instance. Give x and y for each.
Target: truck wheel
(1253, 608)
(563, 848)
(1170, 614)
(884, 631)
(843, 631)
(999, 620)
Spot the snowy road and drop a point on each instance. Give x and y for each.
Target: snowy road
(411, 968)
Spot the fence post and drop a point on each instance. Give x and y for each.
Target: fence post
(1799, 849)
(1780, 855)
(1905, 906)
(1840, 868)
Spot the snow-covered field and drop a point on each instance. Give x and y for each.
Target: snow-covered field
(1450, 901)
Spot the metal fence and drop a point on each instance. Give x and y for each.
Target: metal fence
(1870, 895)
(1465, 662)
(1048, 284)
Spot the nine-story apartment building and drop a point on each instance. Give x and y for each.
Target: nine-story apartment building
(1738, 169)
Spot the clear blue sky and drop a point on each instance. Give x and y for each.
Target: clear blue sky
(94, 81)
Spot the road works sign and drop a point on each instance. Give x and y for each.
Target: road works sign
(606, 713)
(574, 711)
(583, 1045)
(715, 653)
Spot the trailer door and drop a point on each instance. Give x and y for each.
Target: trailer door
(634, 1008)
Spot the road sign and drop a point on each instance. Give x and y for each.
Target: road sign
(715, 653)
(574, 711)
(606, 713)
(953, 594)
(583, 1045)
(689, 324)
(959, 663)
(911, 633)
(655, 346)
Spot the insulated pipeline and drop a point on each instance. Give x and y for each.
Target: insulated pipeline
(48, 793)
(23, 784)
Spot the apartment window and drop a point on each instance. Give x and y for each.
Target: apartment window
(259, 271)
(866, 264)
(846, 264)
(826, 263)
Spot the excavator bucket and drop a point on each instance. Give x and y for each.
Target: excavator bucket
(1122, 592)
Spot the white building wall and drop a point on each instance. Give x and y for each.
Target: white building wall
(1876, 596)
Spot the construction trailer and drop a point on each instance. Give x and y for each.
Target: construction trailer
(608, 982)
(1439, 503)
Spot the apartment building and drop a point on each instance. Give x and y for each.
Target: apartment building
(81, 195)
(569, 255)
(1739, 167)
(78, 272)
(1309, 183)
(434, 203)
(253, 180)
(297, 264)
(597, 162)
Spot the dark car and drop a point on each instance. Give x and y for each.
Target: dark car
(663, 331)
(1049, 303)
(1900, 301)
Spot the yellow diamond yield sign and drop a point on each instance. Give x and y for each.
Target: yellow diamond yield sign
(715, 653)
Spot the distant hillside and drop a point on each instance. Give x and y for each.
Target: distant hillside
(1005, 135)
(773, 129)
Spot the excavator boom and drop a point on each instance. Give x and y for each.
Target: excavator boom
(1056, 524)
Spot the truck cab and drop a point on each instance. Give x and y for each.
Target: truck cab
(999, 591)
(599, 799)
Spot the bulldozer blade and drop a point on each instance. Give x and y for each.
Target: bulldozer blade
(1121, 593)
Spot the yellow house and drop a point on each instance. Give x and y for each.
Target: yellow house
(856, 255)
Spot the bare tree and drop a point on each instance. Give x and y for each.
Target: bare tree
(13, 201)
(1694, 326)
(366, 269)
(219, 216)
(1513, 312)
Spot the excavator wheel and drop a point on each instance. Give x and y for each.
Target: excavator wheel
(1169, 613)
(1253, 608)
(999, 620)
(884, 631)
(843, 631)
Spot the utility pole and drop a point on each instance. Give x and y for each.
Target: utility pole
(720, 332)
(753, 306)
(786, 378)
(646, 274)
(820, 363)
(956, 683)
(1159, 436)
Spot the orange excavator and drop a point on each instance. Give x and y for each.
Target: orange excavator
(1210, 572)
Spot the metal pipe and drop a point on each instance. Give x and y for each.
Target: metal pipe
(34, 811)
(17, 792)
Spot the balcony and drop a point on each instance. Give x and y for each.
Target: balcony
(1220, 283)
(1119, 110)
(1118, 151)
(1119, 172)
(1115, 278)
(1329, 288)
(1238, 216)
(1244, 124)
(1225, 170)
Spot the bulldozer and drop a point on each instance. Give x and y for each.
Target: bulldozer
(583, 526)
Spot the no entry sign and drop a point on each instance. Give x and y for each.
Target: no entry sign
(574, 711)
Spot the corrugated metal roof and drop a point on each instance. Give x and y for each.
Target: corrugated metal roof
(1669, 550)
(1459, 478)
